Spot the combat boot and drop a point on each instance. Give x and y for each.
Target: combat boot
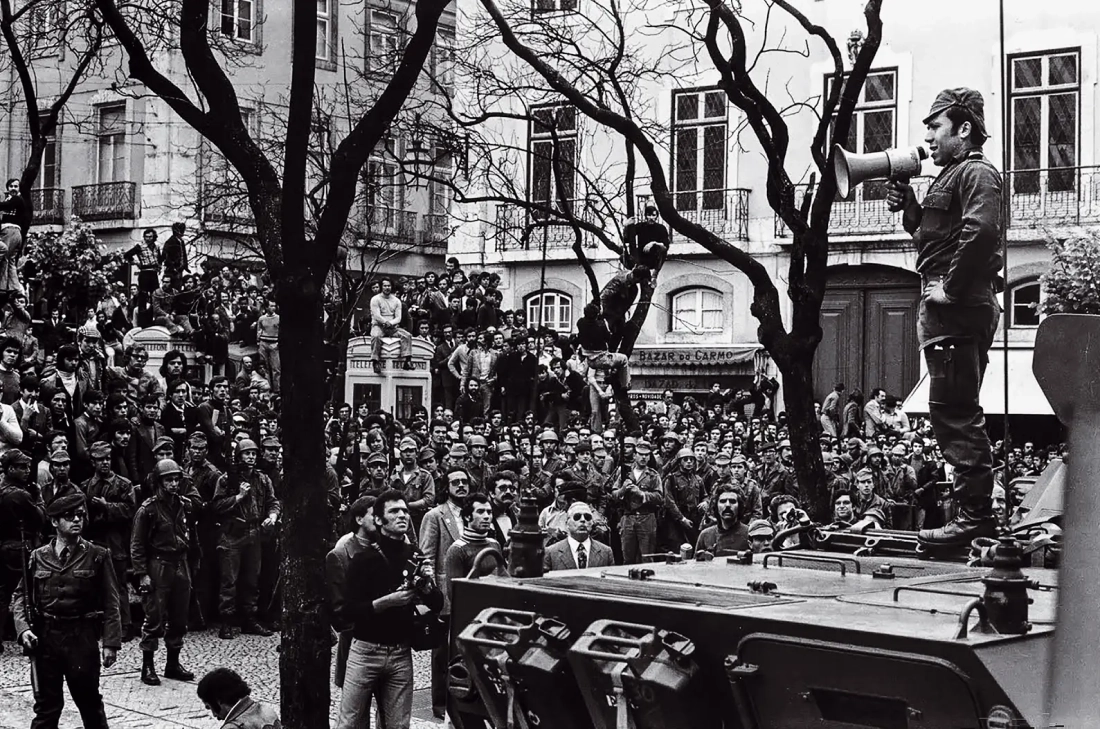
(252, 627)
(149, 675)
(962, 530)
(227, 631)
(173, 669)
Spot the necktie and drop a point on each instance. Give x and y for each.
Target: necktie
(582, 558)
(64, 555)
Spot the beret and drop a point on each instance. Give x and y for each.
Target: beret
(64, 504)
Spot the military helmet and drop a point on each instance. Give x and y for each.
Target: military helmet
(167, 467)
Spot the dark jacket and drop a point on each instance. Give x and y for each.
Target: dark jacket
(376, 572)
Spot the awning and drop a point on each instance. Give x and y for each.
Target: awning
(1024, 395)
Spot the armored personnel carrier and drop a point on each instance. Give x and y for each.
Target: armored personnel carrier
(861, 631)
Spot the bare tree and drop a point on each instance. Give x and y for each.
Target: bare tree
(42, 33)
(590, 63)
(298, 259)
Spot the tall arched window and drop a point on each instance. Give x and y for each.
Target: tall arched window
(551, 309)
(696, 311)
(1023, 304)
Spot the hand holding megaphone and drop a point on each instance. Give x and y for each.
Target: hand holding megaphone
(899, 196)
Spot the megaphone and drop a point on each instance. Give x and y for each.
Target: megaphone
(897, 164)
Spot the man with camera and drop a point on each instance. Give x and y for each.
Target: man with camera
(385, 583)
(957, 231)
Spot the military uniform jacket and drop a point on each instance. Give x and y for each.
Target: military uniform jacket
(651, 499)
(109, 525)
(686, 490)
(239, 517)
(83, 586)
(420, 485)
(160, 530)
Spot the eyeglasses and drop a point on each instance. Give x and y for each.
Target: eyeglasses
(506, 487)
(81, 515)
(583, 517)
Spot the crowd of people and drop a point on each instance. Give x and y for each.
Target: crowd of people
(164, 486)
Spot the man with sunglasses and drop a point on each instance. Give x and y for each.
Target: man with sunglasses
(503, 497)
(578, 550)
(76, 593)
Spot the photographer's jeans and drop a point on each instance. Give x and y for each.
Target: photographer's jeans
(387, 667)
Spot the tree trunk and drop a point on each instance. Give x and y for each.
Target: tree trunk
(798, 397)
(304, 662)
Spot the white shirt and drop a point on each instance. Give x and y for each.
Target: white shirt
(573, 544)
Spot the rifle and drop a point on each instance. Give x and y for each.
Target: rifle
(30, 610)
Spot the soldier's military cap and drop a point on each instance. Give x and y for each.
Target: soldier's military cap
(408, 442)
(164, 443)
(761, 528)
(784, 444)
(99, 449)
(477, 440)
(13, 456)
(60, 456)
(459, 449)
(270, 442)
(643, 446)
(962, 98)
(548, 435)
(738, 458)
(197, 438)
(584, 447)
(765, 447)
(572, 439)
(377, 457)
(63, 505)
(426, 454)
(505, 447)
(246, 444)
(722, 459)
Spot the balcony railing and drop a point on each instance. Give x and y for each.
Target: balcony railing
(519, 229)
(389, 225)
(723, 212)
(863, 212)
(435, 229)
(105, 201)
(1054, 197)
(227, 211)
(49, 205)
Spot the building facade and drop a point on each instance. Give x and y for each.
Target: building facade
(123, 161)
(717, 174)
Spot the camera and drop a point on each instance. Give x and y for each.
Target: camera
(418, 575)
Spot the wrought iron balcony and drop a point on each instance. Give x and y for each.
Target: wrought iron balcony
(519, 229)
(49, 205)
(382, 225)
(863, 212)
(228, 210)
(105, 201)
(723, 212)
(1055, 197)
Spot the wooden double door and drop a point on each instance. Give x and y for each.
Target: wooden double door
(869, 332)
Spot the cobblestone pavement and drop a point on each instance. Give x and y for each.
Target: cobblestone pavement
(174, 704)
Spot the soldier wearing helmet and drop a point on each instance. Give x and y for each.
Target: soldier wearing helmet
(684, 488)
(244, 503)
(158, 550)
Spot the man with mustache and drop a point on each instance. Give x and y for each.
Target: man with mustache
(729, 534)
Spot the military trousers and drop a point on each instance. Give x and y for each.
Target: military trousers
(638, 536)
(240, 559)
(167, 605)
(68, 652)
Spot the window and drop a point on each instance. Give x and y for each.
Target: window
(551, 309)
(696, 311)
(699, 128)
(47, 175)
(368, 394)
(874, 123)
(239, 20)
(383, 187)
(1044, 120)
(1024, 304)
(443, 60)
(382, 40)
(553, 131)
(326, 33)
(553, 6)
(111, 143)
(409, 398)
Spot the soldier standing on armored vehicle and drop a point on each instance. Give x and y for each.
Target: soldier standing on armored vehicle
(957, 232)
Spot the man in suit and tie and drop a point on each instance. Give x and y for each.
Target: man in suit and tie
(444, 383)
(442, 525)
(578, 550)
